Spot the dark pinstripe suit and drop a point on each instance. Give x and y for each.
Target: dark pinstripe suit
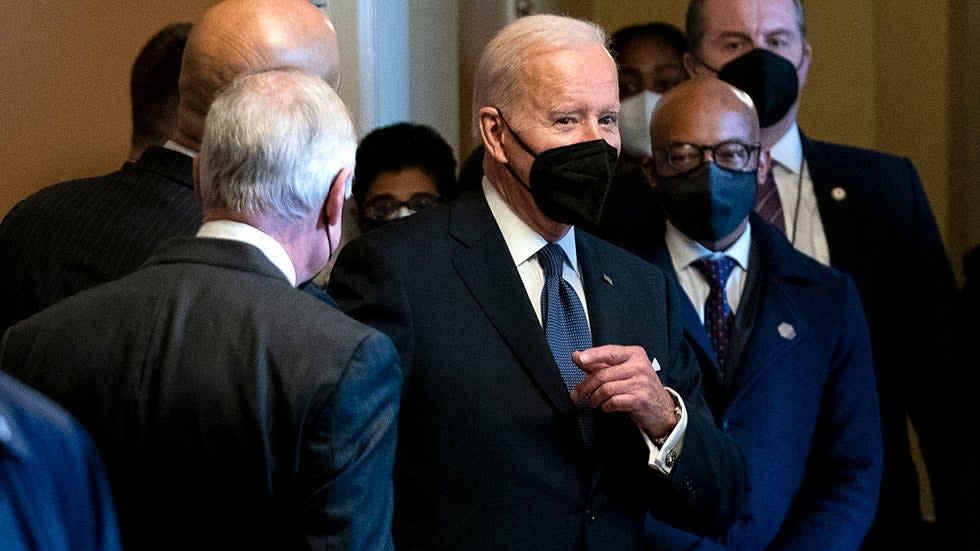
(77, 234)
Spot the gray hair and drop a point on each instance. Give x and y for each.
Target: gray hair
(500, 74)
(694, 23)
(273, 142)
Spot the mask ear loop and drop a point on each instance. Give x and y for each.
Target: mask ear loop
(796, 65)
(523, 145)
(520, 142)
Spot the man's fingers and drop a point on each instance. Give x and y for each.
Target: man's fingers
(609, 354)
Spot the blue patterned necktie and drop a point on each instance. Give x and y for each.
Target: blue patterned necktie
(718, 317)
(566, 328)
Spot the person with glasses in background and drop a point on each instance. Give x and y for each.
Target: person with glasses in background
(783, 343)
(401, 169)
(865, 213)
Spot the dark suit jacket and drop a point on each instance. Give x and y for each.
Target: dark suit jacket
(232, 410)
(802, 406)
(490, 456)
(884, 236)
(53, 490)
(73, 235)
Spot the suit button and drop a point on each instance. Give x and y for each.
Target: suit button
(724, 424)
(590, 517)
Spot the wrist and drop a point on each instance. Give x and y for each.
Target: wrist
(660, 440)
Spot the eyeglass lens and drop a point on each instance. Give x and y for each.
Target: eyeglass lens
(383, 207)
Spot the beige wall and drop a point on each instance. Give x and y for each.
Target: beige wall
(964, 123)
(65, 91)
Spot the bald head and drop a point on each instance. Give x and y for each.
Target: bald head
(704, 111)
(708, 202)
(237, 37)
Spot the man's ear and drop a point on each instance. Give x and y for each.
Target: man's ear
(333, 205)
(765, 159)
(650, 171)
(491, 131)
(804, 67)
(691, 64)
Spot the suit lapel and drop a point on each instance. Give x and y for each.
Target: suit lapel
(602, 298)
(486, 270)
(778, 323)
(832, 200)
(692, 323)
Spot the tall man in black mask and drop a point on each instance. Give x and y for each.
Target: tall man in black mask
(865, 213)
(779, 332)
(551, 400)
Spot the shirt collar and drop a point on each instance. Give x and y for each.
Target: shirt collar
(788, 151)
(174, 146)
(237, 231)
(684, 250)
(522, 241)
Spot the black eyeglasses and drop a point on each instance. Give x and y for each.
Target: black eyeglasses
(384, 207)
(732, 155)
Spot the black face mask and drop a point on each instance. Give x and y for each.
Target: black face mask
(570, 183)
(769, 79)
(709, 202)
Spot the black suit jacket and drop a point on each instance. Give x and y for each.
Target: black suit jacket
(73, 235)
(232, 410)
(881, 231)
(490, 456)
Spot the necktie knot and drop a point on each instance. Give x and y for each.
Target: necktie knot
(552, 260)
(715, 270)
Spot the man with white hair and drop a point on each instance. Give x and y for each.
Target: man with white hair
(551, 400)
(232, 409)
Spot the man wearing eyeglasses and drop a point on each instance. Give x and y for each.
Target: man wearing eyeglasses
(786, 356)
(865, 213)
(401, 169)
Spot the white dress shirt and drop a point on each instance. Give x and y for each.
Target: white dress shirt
(804, 227)
(174, 146)
(237, 231)
(524, 244)
(684, 251)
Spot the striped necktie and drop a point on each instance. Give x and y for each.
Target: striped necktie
(767, 202)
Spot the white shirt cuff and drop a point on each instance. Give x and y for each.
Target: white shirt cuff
(664, 458)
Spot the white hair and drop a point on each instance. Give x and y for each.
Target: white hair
(500, 75)
(273, 142)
